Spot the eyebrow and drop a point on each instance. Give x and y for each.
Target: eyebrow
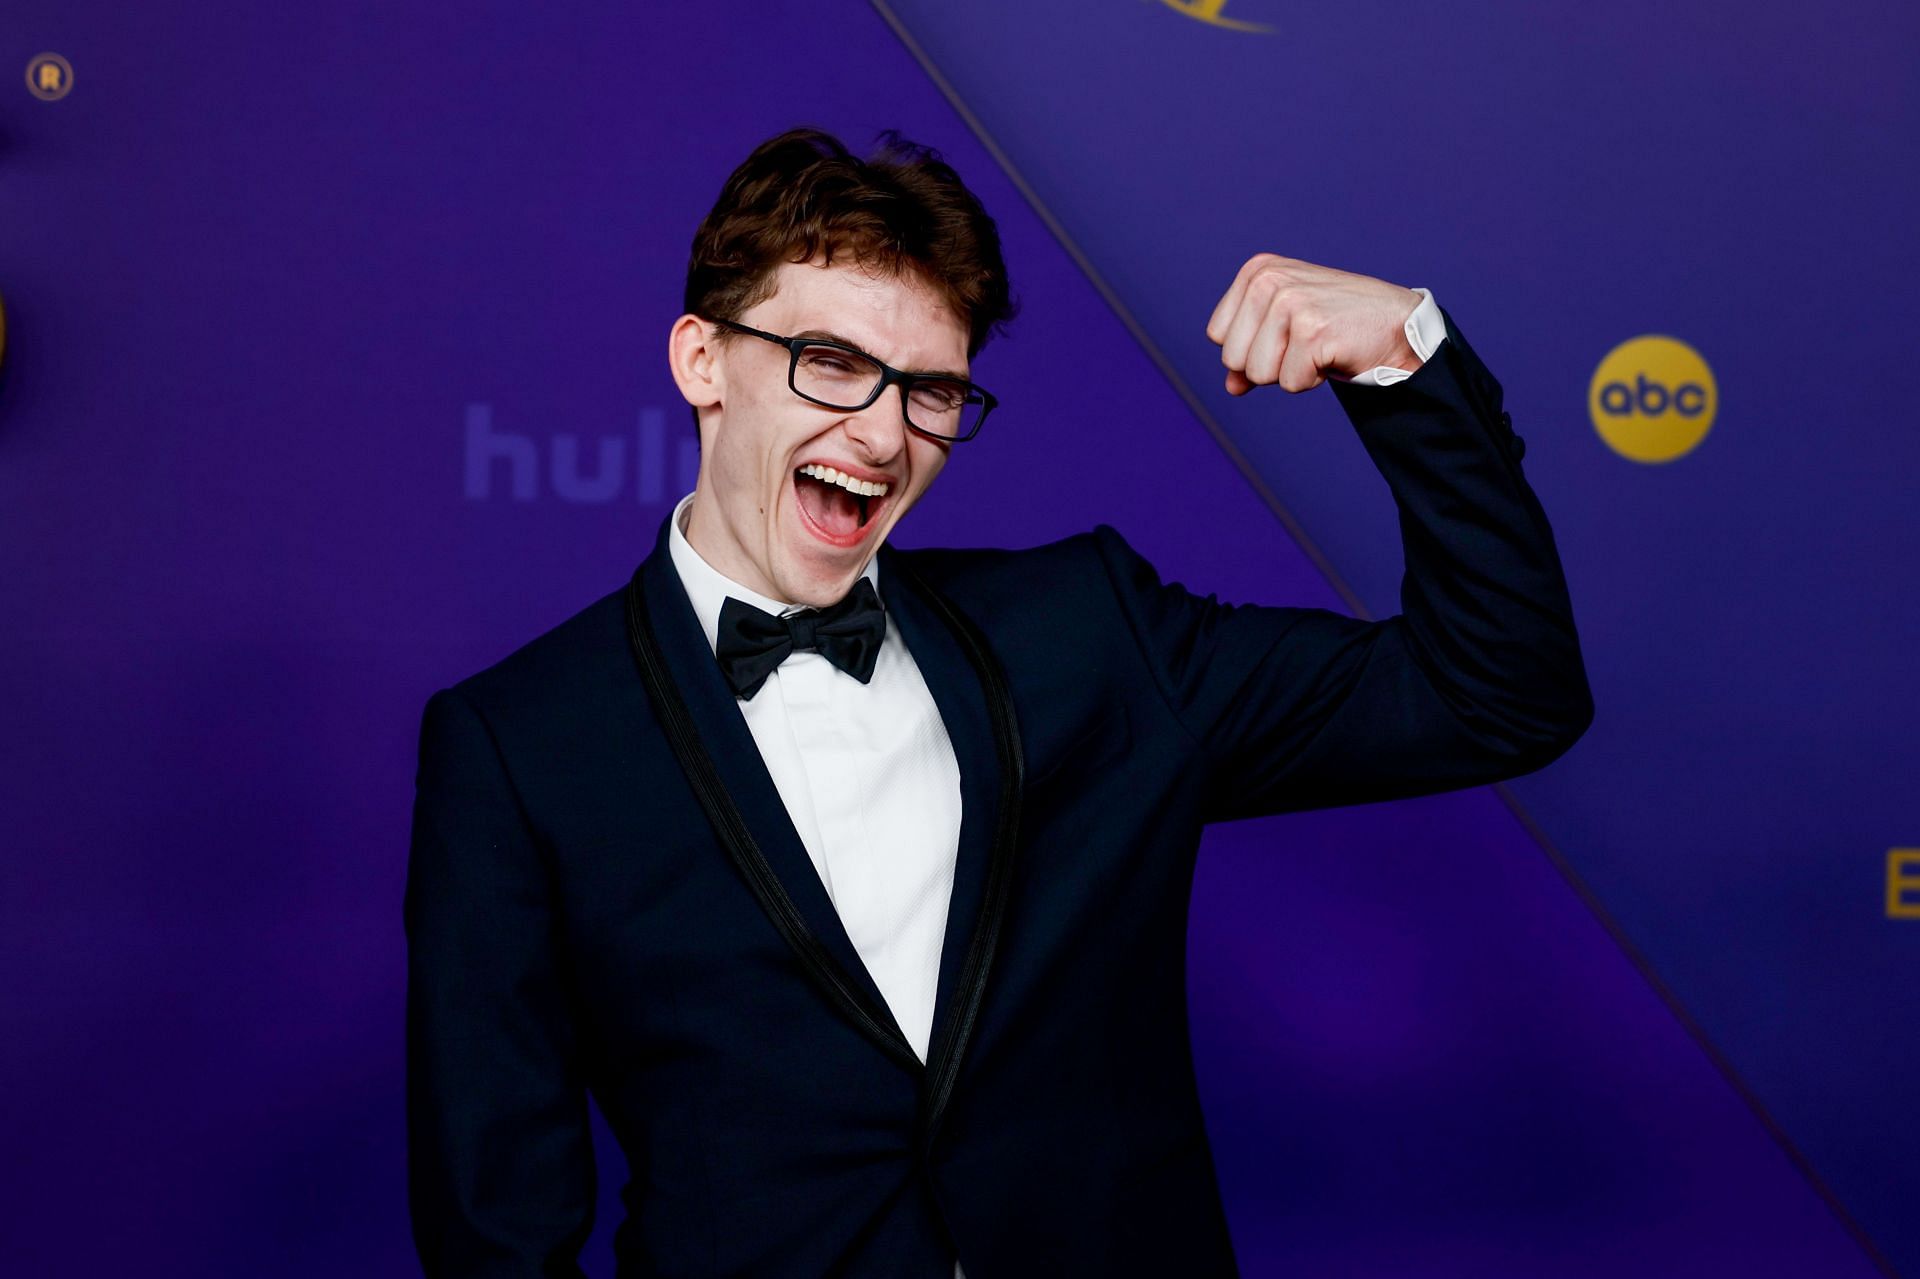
(831, 336)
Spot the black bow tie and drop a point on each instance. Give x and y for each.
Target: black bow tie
(753, 642)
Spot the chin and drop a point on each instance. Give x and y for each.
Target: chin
(819, 585)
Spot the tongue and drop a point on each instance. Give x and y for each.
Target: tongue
(828, 505)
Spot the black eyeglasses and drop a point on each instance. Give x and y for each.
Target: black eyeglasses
(837, 376)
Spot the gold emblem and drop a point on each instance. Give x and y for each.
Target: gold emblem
(1210, 12)
(49, 77)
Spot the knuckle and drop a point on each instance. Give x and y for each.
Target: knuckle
(1300, 377)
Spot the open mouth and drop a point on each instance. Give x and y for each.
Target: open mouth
(837, 507)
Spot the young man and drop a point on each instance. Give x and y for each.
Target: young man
(853, 882)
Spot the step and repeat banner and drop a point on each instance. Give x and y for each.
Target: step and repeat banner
(333, 369)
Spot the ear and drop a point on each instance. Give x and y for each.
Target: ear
(693, 356)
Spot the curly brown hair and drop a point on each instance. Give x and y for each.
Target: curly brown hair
(802, 193)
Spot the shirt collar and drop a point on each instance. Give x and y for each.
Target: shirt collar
(708, 588)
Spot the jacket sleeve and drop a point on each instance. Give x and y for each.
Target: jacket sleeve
(1478, 678)
(501, 1179)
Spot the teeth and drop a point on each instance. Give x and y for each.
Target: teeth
(862, 487)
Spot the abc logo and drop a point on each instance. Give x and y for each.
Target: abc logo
(1652, 398)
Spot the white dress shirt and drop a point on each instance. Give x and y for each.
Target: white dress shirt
(868, 774)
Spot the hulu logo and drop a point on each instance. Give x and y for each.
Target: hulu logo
(524, 470)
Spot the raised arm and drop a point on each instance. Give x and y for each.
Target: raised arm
(1478, 678)
(500, 1162)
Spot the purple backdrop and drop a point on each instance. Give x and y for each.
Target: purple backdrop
(319, 326)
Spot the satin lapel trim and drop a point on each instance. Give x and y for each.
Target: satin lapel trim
(749, 817)
(976, 705)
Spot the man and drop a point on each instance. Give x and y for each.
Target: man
(852, 881)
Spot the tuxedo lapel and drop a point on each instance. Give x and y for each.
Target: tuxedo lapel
(772, 856)
(963, 708)
(976, 705)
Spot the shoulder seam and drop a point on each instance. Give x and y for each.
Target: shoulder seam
(534, 837)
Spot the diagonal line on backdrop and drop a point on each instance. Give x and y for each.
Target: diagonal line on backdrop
(1119, 308)
(1353, 601)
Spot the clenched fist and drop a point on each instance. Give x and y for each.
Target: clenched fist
(1291, 322)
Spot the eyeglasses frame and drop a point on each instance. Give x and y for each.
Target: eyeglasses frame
(888, 376)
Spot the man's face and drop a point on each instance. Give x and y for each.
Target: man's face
(754, 516)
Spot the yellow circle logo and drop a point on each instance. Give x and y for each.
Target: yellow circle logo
(49, 77)
(1652, 398)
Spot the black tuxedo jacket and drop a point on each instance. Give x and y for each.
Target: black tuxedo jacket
(604, 893)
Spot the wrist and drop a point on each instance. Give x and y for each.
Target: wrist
(1420, 331)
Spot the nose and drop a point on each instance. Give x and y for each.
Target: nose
(880, 429)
